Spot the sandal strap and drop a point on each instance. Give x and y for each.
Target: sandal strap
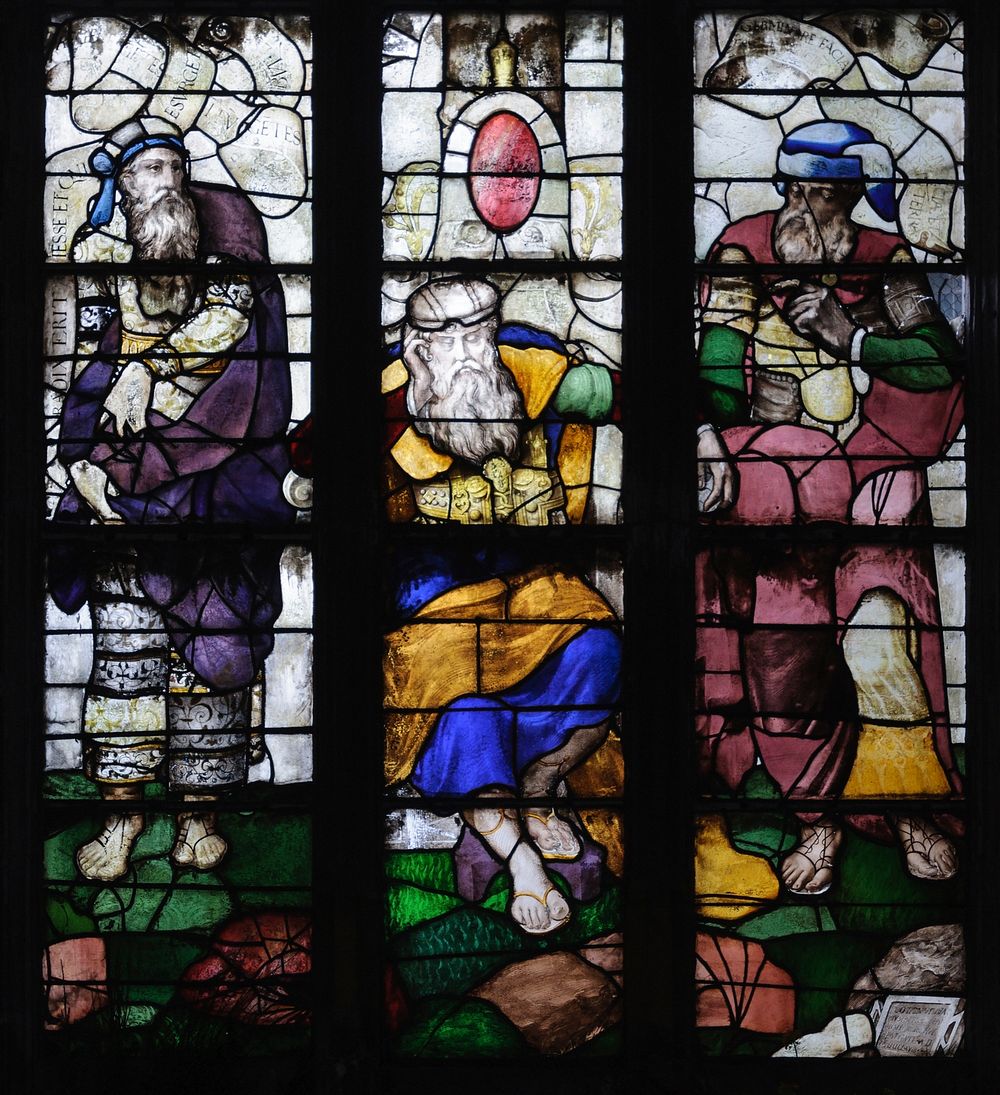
(543, 900)
(504, 816)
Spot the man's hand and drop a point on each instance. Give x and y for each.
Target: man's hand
(93, 485)
(715, 473)
(815, 313)
(130, 397)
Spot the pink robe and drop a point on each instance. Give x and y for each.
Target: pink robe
(772, 679)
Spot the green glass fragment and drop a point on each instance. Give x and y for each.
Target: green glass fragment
(431, 870)
(125, 906)
(266, 850)
(193, 909)
(460, 1028)
(410, 905)
(790, 920)
(65, 919)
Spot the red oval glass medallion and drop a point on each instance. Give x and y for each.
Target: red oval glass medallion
(504, 167)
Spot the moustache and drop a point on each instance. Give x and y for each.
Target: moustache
(443, 379)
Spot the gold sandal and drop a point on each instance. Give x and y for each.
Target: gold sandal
(543, 900)
(560, 853)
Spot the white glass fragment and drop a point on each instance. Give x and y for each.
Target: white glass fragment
(410, 131)
(593, 74)
(593, 123)
(188, 70)
(68, 658)
(776, 51)
(710, 220)
(949, 562)
(274, 60)
(288, 698)
(596, 215)
(268, 160)
(617, 38)
(731, 143)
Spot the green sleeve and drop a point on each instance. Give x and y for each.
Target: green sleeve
(724, 399)
(920, 361)
(586, 392)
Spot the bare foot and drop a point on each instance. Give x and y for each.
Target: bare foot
(106, 857)
(536, 905)
(808, 868)
(198, 844)
(554, 837)
(929, 853)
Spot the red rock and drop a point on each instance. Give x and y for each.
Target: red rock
(505, 165)
(737, 986)
(255, 971)
(75, 972)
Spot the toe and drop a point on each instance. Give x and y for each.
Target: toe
(818, 881)
(946, 859)
(558, 908)
(525, 913)
(792, 873)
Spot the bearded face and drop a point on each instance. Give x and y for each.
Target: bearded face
(162, 226)
(815, 223)
(461, 396)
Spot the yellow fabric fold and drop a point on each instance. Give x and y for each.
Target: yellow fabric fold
(394, 376)
(417, 457)
(537, 372)
(575, 461)
(476, 640)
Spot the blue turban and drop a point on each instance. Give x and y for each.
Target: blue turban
(107, 168)
(836, 151)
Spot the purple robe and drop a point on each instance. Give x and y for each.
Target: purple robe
(222, 462)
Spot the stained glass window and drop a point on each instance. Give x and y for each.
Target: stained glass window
(501, 143)
(178, 666)
(546, 196)
(831, 310)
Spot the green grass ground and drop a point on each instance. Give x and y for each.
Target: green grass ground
(159, 919)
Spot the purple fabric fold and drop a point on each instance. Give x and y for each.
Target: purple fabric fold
(223, 462)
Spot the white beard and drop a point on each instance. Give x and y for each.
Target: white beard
(162, 230)
(798, 238)
(482, 395)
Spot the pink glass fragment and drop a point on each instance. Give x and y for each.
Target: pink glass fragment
(737, 986)
(504, 165)
(75, 972)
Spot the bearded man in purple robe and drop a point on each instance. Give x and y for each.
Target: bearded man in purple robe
(177, 416)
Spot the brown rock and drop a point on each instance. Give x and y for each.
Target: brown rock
(557, 1001)
(930, 959)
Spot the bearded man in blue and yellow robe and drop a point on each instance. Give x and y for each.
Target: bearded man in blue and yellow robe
(503, 672)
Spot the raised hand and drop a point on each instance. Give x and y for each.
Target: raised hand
(129, 398)
(816, 313)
